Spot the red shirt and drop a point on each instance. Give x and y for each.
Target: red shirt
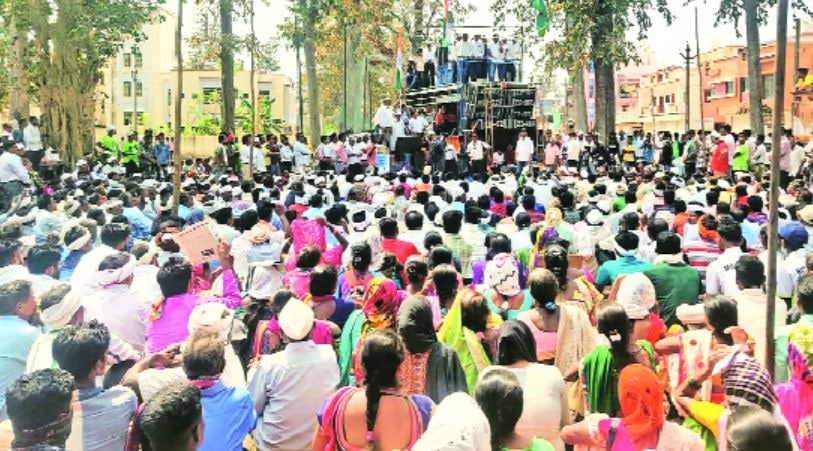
(402, 249)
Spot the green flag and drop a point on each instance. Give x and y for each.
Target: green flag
(542, 19)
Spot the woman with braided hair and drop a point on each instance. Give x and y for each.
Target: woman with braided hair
(373, 417)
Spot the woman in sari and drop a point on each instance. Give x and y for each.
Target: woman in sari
(576, 286)
(500, 396)
(544, 394)
(378, 311)
(796, 395)
(457, 424)
(623, 330)
(502, 291)
(497, 243)
(430, 368)
(464, 331)
(353, 281)
(688, 352)
(746, 383)
(642, 422)
(373, 417)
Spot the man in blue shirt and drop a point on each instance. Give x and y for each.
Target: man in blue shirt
(626, 262)
(17, 307)
(187, 212)
(162, 155)
(140, 225)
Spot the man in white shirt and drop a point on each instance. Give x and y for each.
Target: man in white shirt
(13, 175)
(465, 51)
(476, 151)
(525, 150)
(115, 303)
(418, 123)
(574, 150)
(32, 139)
(752, 303)
(495, 55)
(428, 54)
(415, 232)
(794, 238)
(720, 274)
(398, 130)
(383, 120)
(302, 155)
(289, 386)
(477, 68)
(114, 238)
(730, 142)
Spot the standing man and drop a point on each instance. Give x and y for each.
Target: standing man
(109, 143)
(476, 151)
(525, 150)
(464, 53)
(13, 175)
(574, 150)
(162, 155)
(383, 120)
(553, 155)
(494, 56)
(302, 155)
(429, 70)
(129, 153)
(479, 55)
(784, 159)
(760, 157)
(740, 159)
(32, 140)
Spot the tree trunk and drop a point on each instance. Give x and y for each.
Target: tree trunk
(176, 119)
(355, 81)
(754, 69)
(579, 100)
(604, 73)
(227, 63)
(605, 100)
(309, 46)
(18, 95)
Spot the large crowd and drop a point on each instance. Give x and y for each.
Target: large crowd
(597, 294)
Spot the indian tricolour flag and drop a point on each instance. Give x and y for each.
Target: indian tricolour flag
(399, 60)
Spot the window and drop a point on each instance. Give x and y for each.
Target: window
(128, 89)
(211, 95)
(706, 95)
(265, 93)
(743, 84)
(128, 60)
(768, 85)
(138, 89)
(624, 108)
(139, 59)
(169, 97)
(128, 118)
(667, 100)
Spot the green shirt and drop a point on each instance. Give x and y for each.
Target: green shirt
(111, 145)
(781, 351)
(740, 160)
(129, 151)
(674, 285)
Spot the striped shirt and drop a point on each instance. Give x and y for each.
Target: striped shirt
(700, 254)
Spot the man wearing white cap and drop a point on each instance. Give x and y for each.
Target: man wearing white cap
(289, 386)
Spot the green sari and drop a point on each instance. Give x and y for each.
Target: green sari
(351, 334)
(600, 378)
(466, 345)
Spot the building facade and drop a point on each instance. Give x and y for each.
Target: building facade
(139, 84)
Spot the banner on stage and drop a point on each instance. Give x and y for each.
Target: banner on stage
(382, 162)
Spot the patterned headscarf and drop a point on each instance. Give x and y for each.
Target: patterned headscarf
(641, 400)
(380, 304)
(800, 353)
(747, 383)
(502, 275)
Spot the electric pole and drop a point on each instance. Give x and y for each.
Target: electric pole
(687, 58)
